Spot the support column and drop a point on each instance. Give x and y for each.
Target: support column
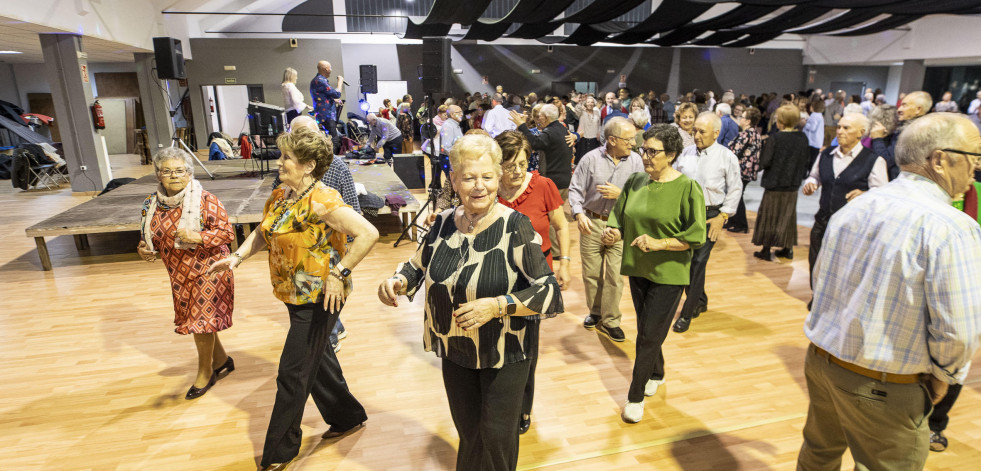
(68, 75)
(912, 76)
(674, 76)
(156, 104)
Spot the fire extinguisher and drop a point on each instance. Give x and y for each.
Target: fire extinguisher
(211, 103)
(97, 118)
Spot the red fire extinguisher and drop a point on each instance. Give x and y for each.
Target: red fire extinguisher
(211, 103)
(97, 118)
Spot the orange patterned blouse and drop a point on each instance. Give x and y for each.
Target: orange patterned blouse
(302, 247)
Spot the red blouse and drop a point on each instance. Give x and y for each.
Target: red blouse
(539, 198)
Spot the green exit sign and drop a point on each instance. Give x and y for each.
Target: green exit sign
(230, 80)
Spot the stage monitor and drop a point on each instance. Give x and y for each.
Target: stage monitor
(266, 120)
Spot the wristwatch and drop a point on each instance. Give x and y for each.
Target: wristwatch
(345, 272)
(511, 307)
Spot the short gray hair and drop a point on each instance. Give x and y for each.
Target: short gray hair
(932, 132)
(174, 153)
(640, 118)
(304, 121)
(724, 109)
(473, 147)
(861, 121)
(885, 114)
(716, 120)
(550, 112)
(615, 126)
(921, 98)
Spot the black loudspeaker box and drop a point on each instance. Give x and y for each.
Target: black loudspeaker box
(369, 79)
(170, 58)
(411, 169)
(436, 66)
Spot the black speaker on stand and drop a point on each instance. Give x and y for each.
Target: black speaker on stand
(436, 65)
(369, 79)
(170, 58)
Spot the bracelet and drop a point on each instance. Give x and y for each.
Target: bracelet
(239, 257)
(500, 307)
(565, 257)
(337, 275)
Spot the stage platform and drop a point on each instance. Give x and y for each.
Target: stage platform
(237, 184)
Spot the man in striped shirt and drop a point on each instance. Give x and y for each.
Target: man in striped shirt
(897, 307)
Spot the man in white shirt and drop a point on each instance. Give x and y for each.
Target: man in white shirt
(716, 169)
(975, 104)
(497, 120)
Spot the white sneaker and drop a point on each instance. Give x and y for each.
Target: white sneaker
(650, 388)
(633, 412)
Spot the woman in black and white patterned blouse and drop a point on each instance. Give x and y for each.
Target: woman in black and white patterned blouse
(486, 279)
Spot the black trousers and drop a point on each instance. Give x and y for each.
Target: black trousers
(817, 236)
(308, 366)
(391, 148)
(290, 114)
(485, 412)
(738, 220)
(655, 305)
(939, 417)
(528, 399)
(585, 145)
(695, 296)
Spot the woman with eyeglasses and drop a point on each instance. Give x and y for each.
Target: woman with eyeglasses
(538, 198)
(189, 228)
(660, 216)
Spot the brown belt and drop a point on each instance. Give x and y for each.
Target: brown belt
(595, 215)
(878, 376)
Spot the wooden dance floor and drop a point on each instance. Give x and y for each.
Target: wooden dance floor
(94, 376)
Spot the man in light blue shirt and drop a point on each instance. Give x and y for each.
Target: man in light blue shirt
(897, 305)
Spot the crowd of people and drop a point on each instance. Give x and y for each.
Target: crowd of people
(651, 186)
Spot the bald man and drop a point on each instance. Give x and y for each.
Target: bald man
(324, 104)
(716, 169)
(912, 106)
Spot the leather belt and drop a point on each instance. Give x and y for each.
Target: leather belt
(878, 376)
(595, 215)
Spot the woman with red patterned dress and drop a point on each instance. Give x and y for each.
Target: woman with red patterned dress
(189, 228)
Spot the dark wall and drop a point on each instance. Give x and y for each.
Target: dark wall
(873, 76)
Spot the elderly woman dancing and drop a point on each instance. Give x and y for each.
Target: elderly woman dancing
(305, 225)
(189, 228)
(486, 283)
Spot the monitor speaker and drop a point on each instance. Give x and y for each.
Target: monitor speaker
(369, 79)
(170, 58)
(436, 66)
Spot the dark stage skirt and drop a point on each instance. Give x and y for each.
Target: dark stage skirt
(776, 220)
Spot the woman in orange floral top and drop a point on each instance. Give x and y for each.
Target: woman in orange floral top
(305, 224)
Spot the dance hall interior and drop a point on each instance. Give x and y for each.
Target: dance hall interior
(498, 235)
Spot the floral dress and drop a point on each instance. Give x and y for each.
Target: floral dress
(747, 147)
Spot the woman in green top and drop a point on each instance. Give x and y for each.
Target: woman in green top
(662, 214)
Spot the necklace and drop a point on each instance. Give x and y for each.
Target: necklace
(472, 222)
(286, 204)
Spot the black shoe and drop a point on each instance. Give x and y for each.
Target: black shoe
(334, 432)
(225, 369)
(809, 304)
(785, 253)
(278, 466)
(743, 230)
(614, 333)
(682, 324)
(523, 425)
(698, 311)
(768, 256)
(938, 442)
(590, 321)
(194, 393)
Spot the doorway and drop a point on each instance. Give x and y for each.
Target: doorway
(226, 107)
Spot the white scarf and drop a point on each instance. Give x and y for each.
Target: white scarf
(189, 199)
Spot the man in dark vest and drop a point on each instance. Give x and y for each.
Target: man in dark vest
(843, 173)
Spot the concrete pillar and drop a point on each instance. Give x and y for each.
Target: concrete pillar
(674, 76)
(155, 102)
(912, 76)
(69, 77)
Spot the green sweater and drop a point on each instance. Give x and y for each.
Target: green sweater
(660, 210)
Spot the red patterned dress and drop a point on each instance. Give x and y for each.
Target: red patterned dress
(202, 304)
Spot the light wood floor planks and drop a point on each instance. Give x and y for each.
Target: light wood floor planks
(94, 376)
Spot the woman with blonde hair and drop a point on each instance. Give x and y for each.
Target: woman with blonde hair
(292, 97)
(684, 120)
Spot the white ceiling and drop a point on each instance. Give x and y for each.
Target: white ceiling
(20, 36)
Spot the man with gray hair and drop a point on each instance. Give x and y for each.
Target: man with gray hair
(384, 134)
(717, 170)
(897, 308)
(593, 192)
(552, 142)
(912, 106)
(496, 119)
(729, 129)
(844, 172)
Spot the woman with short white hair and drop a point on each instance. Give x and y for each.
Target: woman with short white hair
(189, 228)
(486, 282)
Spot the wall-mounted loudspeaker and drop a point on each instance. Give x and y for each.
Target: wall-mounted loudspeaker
(170, 58)
(369, 79)
(436, 65)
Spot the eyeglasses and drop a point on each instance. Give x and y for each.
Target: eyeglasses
(650, 152)
(176, 173)
(511, 168)
(975, 154)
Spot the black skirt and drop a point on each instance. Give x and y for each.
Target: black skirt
(776, 220)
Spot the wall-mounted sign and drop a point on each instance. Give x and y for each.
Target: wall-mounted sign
(85, 73)
(229, 79)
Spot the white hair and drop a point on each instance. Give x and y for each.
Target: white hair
(860, 120)
(304, 121)
(640, 117)
(716, 120)
(932, 132)
(723, 109)
(853, 108)
(550, 112)
(173, 153)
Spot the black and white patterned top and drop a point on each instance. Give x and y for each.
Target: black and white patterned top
(504, 258)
